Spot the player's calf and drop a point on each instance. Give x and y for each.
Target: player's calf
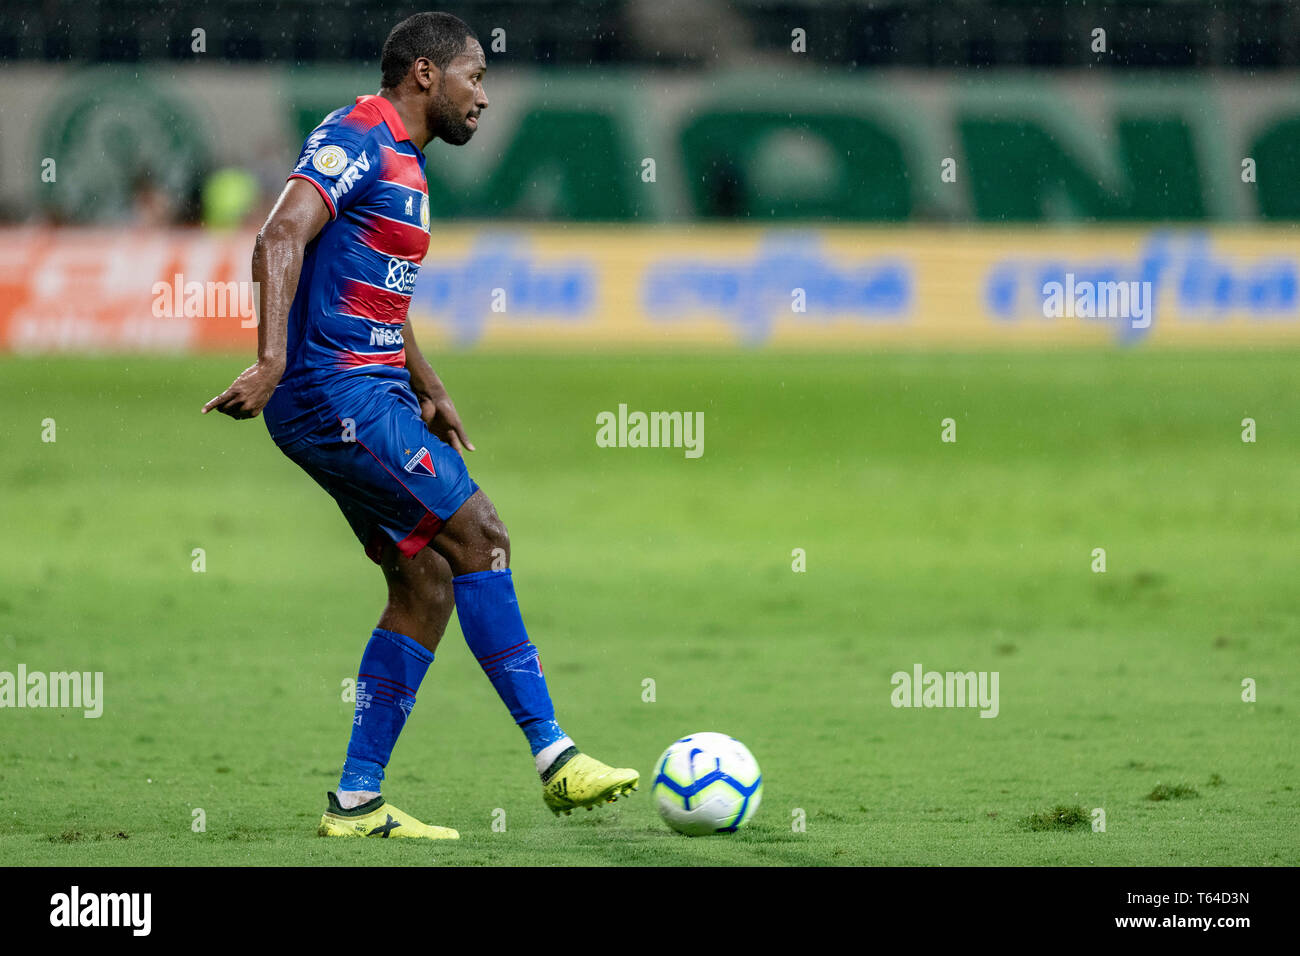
(494, 630)
(392, 667)
(477, 548)
(420, 602)
(420, 595)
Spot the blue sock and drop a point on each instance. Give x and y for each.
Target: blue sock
(494, 630)
(391, 670)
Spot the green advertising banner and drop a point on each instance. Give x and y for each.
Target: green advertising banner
(634, 145)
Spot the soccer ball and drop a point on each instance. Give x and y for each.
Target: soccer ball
(707, 783)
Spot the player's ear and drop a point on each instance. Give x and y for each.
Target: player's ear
(425, 73)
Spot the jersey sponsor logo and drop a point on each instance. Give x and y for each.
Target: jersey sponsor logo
(421, 461)
(410, 207)
(387, 337)
(351, 177)
(329, 160)
(401, 276)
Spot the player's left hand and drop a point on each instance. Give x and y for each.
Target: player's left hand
(440, 417)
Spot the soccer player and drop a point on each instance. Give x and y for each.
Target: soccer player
(349, 397)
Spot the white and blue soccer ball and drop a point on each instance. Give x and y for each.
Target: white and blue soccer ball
(707, 783)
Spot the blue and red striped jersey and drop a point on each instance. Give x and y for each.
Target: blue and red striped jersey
(358, 273)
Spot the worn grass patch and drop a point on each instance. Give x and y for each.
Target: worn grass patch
(1058, 818)
(1177, 791)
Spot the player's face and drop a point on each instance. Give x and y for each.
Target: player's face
(453, 114)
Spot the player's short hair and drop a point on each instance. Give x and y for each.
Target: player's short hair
(438, 36)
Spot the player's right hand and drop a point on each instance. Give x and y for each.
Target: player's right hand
(249, 393)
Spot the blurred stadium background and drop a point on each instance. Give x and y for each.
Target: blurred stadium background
(656, 174)
(651, 185)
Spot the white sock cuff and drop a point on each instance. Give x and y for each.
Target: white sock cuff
(546, 756)
(351, 799)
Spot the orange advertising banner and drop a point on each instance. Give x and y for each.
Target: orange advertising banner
(552, 287)
(94, 291)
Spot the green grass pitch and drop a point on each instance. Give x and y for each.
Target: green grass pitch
(223, 688)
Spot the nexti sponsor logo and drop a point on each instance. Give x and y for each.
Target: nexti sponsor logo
(390, 336)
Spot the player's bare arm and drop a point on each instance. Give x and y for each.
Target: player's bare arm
(298, 216)
(436, 407)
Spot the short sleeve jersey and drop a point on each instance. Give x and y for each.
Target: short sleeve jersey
(358, 273)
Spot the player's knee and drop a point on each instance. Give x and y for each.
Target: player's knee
(475, 539)
(489, 536)
(494, 536)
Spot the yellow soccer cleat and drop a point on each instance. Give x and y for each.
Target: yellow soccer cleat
(377, 818)
(582, 781)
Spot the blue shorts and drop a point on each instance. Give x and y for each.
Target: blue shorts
(393, 479)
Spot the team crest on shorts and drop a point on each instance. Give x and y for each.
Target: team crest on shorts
(421, 462)
(330, 160)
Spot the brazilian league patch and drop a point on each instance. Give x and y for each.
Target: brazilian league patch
(421, 461)
(424, 212)
(330, 160)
